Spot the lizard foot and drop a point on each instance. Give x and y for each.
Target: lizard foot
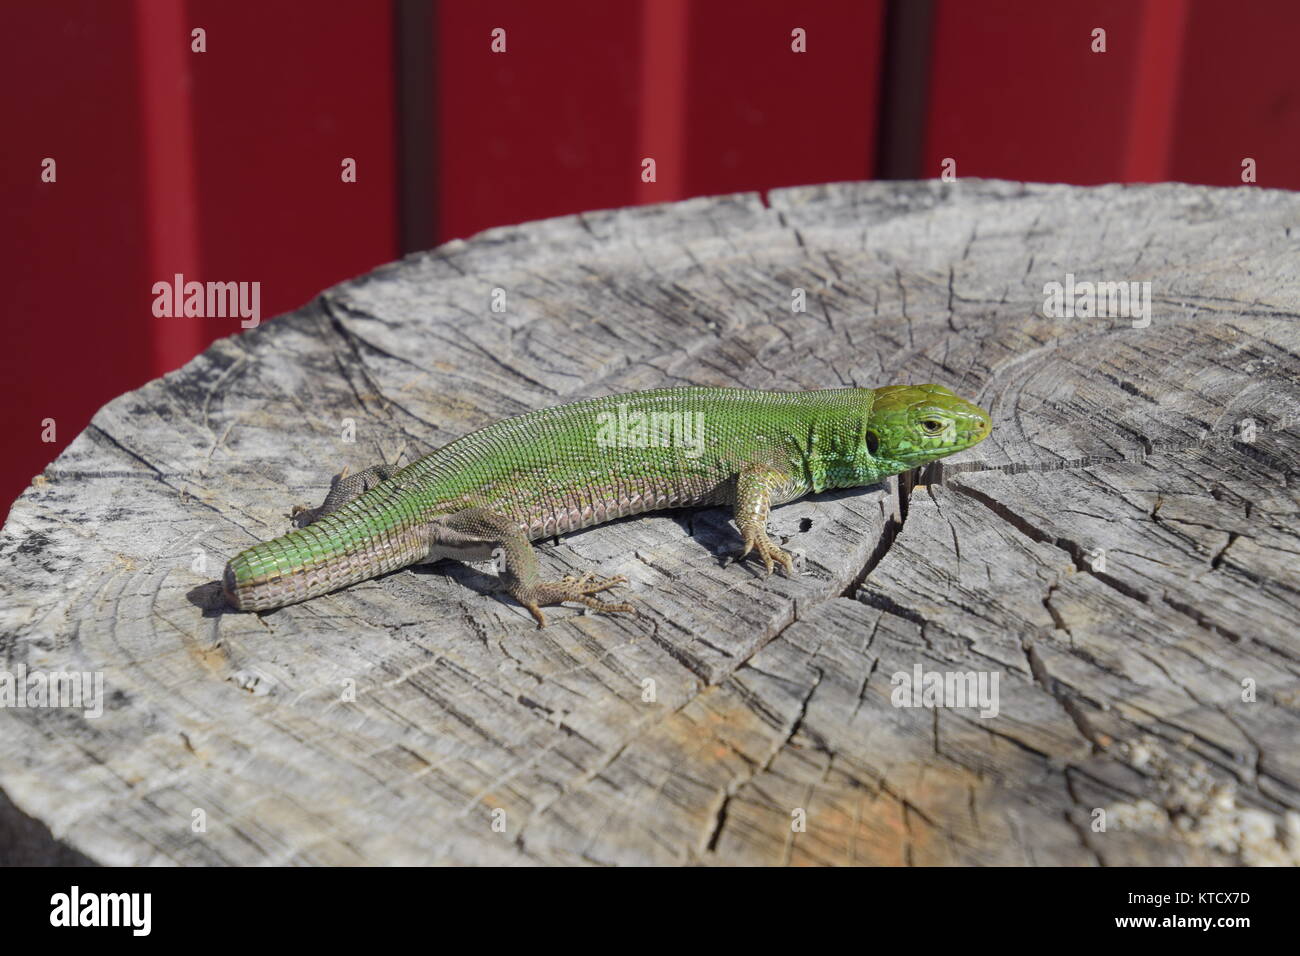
(302, 515)
(770, 553)
(578, 590)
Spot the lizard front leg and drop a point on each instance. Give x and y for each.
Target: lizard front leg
(343, 488)
(755, 486)
(478, 526)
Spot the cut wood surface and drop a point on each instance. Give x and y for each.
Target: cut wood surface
(1122, 556)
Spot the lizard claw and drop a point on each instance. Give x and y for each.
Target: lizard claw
(578, 590)
(584, 586)
(770, 553)
(536, 612)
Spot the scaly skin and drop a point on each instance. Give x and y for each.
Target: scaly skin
(560, 469)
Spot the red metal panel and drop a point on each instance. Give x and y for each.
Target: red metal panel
(222, 166)
(75, 296)
(285, 92)
(585, 91)
(1185, 91)
(761, 115)
(1016, 92)
(548, 127)
(1240, 94)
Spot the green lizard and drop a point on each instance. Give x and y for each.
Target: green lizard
(560, 469)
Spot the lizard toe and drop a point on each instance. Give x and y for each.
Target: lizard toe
(537, 614)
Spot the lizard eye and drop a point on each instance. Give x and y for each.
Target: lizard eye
(932, 426)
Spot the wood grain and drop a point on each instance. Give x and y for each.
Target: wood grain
(1122, 554)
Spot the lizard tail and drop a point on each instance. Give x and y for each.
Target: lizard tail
(322, 557)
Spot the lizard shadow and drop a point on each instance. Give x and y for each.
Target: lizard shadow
(710, 527)
(715, 530)
(209, 599)
(485, 583)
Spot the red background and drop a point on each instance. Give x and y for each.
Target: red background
(225, 165)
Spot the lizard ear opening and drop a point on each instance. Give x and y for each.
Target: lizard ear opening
(873, 442)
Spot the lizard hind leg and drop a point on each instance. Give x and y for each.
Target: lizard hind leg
(343, 488)
(520, 572)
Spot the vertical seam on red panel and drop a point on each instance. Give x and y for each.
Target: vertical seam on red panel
(169, 188)
(904, 109)
(414, 47)
(1158, 48)
(665, 36)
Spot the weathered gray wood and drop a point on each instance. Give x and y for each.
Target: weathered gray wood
(1121, 686)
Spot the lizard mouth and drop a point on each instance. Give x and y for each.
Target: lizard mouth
(978, 425)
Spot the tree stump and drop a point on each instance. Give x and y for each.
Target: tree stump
(1121, 556)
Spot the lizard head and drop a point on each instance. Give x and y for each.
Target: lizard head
(910, 425)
